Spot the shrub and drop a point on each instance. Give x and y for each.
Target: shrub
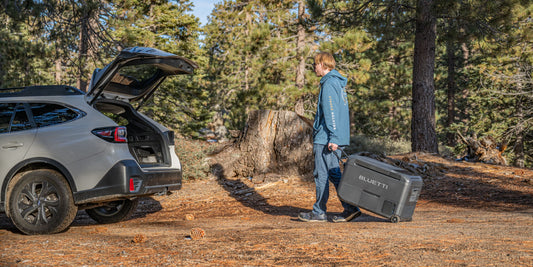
(193, 154)
(378, 145)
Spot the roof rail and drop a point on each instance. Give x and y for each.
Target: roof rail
(40, 90)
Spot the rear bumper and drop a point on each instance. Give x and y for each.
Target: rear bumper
(126, 180)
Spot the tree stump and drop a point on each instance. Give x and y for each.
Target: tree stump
(273, 143)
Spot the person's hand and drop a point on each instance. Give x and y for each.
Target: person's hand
(332, 146)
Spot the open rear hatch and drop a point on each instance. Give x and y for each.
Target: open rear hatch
(134, 75)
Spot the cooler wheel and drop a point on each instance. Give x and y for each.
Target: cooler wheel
(394, 219)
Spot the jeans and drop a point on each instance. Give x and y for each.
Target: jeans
(327, 169)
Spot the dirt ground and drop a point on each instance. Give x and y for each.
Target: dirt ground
(469, 214)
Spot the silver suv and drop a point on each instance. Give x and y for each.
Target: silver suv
(62, 150)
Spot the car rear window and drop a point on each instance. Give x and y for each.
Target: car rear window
(45, 114)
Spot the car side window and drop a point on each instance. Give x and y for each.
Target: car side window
(6, 113)
(46, 114)
(20, 121)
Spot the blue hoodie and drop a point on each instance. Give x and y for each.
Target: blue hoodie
(332, 119)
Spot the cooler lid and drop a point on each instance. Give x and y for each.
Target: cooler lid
(382, 167)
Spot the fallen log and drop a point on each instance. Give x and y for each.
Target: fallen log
(484, 149)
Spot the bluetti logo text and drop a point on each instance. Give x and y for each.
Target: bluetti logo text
(374, 182)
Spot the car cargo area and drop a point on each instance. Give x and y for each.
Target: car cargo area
(145, 142)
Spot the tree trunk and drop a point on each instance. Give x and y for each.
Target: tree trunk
(2, 71)
(423, 134)
(272, 143)
(247, 55)
(299, 106)
(451, 85)
(88, 43)
(82, 53)
(58, 72)
(300, 47)
(518, 148)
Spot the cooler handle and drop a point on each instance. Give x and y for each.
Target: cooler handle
(342, 152)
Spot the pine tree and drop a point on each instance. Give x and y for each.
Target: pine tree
(506, 97)
(23, 54)
(182, 101)
(423, 132)
(257, 50)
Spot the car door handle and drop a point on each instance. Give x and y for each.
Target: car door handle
(12, 145)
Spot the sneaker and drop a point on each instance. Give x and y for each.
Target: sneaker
(346, 216)
(312, 217)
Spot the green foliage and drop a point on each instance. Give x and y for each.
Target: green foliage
(252, 46)
(165, 25)
(373, 52)
(23, 58)
(378, 145)
(192, 155)
(497, 93)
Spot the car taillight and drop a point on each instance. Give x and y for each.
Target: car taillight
(134, 184)
(112, 134)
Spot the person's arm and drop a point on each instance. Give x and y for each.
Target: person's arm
(330, 101)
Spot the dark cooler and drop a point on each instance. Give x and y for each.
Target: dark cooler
(381, 188)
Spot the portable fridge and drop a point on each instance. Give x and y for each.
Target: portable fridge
(381, 188)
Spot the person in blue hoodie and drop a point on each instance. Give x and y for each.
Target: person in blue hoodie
(331, 130)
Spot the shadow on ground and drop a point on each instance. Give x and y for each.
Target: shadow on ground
(468, 188)
(147, 205)
(486, 187)
(249, 197)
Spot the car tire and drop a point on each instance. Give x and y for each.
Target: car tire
(40, 202)
(113, 212)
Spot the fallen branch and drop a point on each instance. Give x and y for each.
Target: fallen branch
(484, 149)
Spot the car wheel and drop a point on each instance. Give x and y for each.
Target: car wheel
(40, 202)
(113, 212)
